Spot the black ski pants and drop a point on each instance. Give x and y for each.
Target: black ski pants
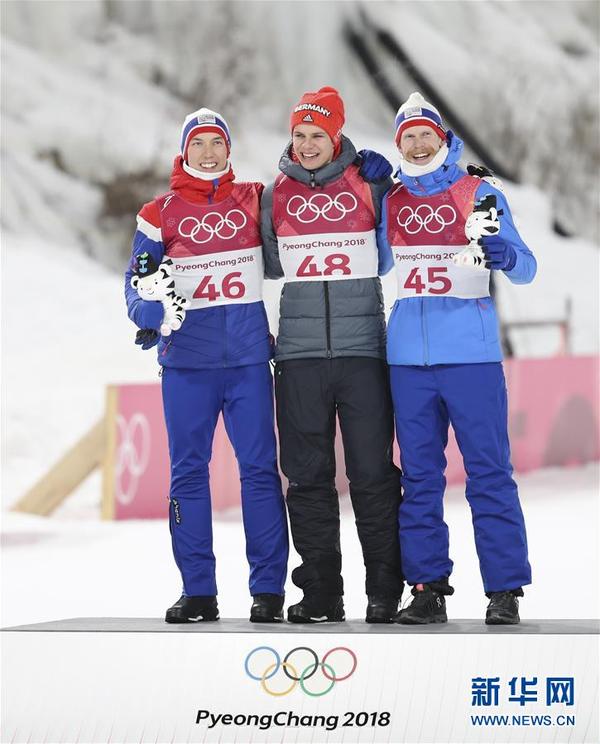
(309, 392)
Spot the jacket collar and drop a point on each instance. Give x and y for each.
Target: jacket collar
(441, 178)
(321, 176)
(198, 190)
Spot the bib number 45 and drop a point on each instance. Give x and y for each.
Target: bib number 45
(436, 283)
(230, 288)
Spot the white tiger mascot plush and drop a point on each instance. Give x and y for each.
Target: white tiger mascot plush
(154, 282)
(482, 221)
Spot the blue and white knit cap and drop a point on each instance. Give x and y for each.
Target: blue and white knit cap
(415, 112)
(203, 120)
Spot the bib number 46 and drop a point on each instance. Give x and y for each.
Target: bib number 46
(435, 276)
(230, 288)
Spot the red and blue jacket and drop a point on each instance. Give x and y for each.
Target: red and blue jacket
(224, 335)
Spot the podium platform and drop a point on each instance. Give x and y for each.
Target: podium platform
(351, 627)
(140, 680)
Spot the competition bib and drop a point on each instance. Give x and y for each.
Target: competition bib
(425, 233)
(226, 278)
(428, 270)
(328, 233)
(216, 249)
(334, 256)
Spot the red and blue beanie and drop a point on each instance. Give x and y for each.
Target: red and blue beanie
(203, 120)
(417, 112)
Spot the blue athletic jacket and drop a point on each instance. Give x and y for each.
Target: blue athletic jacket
(450, 330)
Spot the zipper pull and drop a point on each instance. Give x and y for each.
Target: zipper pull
(312, 180)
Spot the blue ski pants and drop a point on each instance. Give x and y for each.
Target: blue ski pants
(472, 397)
(192, 400)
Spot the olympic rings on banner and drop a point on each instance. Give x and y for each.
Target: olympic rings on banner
(291, 672)
(310, 651)
(276, 665)
(354, 662)
(327, 689)
(224, 226)
(133, 454)
(426, 217)
(321, 205)
(265, 676)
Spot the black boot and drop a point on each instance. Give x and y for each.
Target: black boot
(381, 609)
(428, 606)
(317, 608)
(267, 608)
(503, 609)
(192, 610)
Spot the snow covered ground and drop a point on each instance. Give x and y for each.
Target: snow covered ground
(73, 565)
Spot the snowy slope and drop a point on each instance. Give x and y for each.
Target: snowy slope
(94, 94)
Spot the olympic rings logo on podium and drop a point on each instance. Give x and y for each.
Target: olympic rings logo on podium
(224, 226)
(321, 205)
(307, 672)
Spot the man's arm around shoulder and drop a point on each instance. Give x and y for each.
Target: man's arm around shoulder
(273, 269)
(379, 192)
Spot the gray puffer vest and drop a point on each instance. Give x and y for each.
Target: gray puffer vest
(343, 318)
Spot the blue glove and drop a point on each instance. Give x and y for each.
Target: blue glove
(147, 338)
(374, 168)
(149, 314)
(499, 254)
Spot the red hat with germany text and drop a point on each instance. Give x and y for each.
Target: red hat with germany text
(322, 108)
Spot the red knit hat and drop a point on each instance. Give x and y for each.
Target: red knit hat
(323, 108)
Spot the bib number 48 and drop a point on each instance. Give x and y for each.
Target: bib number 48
(230, 288)
(435, 276)
(333, 262)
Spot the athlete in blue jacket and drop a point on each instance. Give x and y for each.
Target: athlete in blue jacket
(445, 356)
(217, 362)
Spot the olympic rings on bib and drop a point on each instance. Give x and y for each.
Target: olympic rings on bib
(223, 226)
(291, 671)
(426, 217)
(321, 205)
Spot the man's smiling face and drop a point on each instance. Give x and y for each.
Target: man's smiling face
(312, 145)
(207, 152)
(419, 144)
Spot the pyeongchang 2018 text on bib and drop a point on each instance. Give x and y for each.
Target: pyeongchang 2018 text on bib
(328, 256)
(223, 278)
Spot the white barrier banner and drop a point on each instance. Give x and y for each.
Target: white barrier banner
(295, 687)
